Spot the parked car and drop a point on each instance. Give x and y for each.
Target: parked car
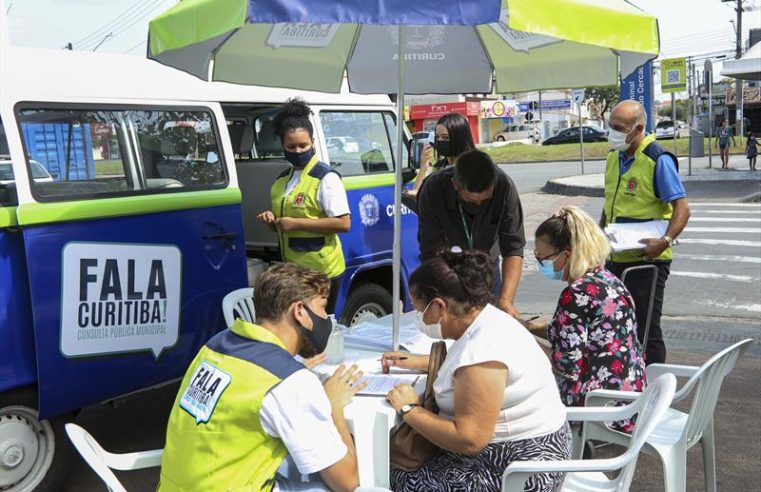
(571, 135)
(343, 144)
(518, 132)
(39, 173)
(665, 129)
(366, 144)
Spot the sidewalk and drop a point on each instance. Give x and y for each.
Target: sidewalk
(736, 184)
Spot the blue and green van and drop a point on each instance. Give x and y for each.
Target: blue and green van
(114, 262)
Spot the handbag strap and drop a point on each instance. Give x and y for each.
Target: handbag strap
(438, 354)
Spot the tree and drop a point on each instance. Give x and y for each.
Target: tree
(605, 98)
(682, 110)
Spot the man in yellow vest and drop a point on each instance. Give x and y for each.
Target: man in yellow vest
(246, 402)
(642, 183)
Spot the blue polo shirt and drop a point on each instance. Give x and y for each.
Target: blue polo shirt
(666, 181)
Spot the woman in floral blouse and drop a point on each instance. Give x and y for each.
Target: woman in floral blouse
(593, 331)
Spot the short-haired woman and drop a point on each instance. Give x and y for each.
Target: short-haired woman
(594, 330)
(308, 203)
(497, 398)
(452, 138)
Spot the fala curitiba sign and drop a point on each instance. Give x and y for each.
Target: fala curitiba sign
(119, 298)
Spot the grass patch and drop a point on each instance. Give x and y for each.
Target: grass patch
(109, 167)
(512, 153)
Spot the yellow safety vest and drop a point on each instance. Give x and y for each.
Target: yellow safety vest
(630, 197)
(320, 252)
(215, 440)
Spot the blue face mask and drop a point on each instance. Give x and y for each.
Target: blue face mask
(299, 159)
(548, 271)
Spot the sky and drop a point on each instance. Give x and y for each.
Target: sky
(687, 27)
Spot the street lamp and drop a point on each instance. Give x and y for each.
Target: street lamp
(103, 40)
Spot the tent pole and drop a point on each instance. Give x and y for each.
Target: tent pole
(397, 244)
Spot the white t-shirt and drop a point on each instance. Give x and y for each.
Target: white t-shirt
(531, 405)
(331, 194)
(298, 412)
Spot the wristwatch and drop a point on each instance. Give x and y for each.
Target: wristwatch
(407, 408)
(668, 239)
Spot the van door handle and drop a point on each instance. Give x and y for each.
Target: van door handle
(224, 236)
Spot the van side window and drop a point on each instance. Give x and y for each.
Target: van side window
(360, 142)
(101, 153)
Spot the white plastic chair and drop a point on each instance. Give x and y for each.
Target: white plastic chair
(102, 462)
(678, 431)
(239, 304)
(587, 475)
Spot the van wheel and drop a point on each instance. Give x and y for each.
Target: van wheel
(366, 302)
(35, 455)
(500, 139)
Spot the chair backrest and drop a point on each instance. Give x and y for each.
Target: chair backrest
(94, 455)
(707, 382)
(650, 407)
(239, 304)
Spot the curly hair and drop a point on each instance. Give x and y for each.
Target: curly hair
(293, 115)
(463, 279)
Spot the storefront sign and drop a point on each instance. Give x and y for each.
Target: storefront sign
(498, 109)
(425, 111)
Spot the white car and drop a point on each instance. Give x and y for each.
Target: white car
(39, 173)
(665, 129)
(523, 132)
(343, 144)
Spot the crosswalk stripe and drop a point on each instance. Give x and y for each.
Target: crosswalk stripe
(734, 230)
(721, 204)
(716, 276)
(754, 212)
(725, 219)
(721, 242)
(718, 258)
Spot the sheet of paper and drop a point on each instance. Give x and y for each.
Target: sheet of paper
(381, 384)
(626, 236)
(377, 335)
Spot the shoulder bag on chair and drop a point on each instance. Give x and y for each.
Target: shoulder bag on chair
(409, 449)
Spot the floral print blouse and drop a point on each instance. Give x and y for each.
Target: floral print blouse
(594, 339)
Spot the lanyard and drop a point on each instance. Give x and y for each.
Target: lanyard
(468, 234)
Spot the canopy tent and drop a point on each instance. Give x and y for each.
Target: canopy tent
(747, 68)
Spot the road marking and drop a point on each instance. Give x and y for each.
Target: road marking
(739, 205)
(753, 308)
(748, 230)
(717, 276)
(721, 242)
(718, 258)
(724, 219)
(755, 212)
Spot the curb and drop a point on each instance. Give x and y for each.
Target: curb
(554, 188)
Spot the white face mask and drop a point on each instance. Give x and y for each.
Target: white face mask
(432, 331)
(617, 140)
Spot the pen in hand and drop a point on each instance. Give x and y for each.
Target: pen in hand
(394, 358)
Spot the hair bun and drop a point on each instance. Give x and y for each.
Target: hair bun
(295, 108)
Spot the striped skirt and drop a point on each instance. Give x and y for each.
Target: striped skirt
(483, 472)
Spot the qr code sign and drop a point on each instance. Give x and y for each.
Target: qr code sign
(672, 77)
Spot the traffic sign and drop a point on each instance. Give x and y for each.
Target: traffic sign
(579, 96)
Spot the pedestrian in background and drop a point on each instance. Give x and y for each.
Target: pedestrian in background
(723, 134)
(474, 205)
(452, 138)
(594, 330)
(642, 183)
(751, 150)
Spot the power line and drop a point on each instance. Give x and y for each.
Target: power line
(141, 43)
(136, 17)
(101, 31)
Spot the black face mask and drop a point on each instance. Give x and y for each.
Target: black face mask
(318, 336)
(443, 147)
(472, 209)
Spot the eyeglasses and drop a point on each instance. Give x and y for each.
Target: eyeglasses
(541, 260)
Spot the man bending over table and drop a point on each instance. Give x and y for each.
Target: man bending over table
(245, 402)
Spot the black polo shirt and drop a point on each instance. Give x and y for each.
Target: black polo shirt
(497, 227)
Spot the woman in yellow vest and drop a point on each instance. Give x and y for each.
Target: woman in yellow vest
(309, 204)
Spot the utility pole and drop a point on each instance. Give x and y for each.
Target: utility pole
(738, 82)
